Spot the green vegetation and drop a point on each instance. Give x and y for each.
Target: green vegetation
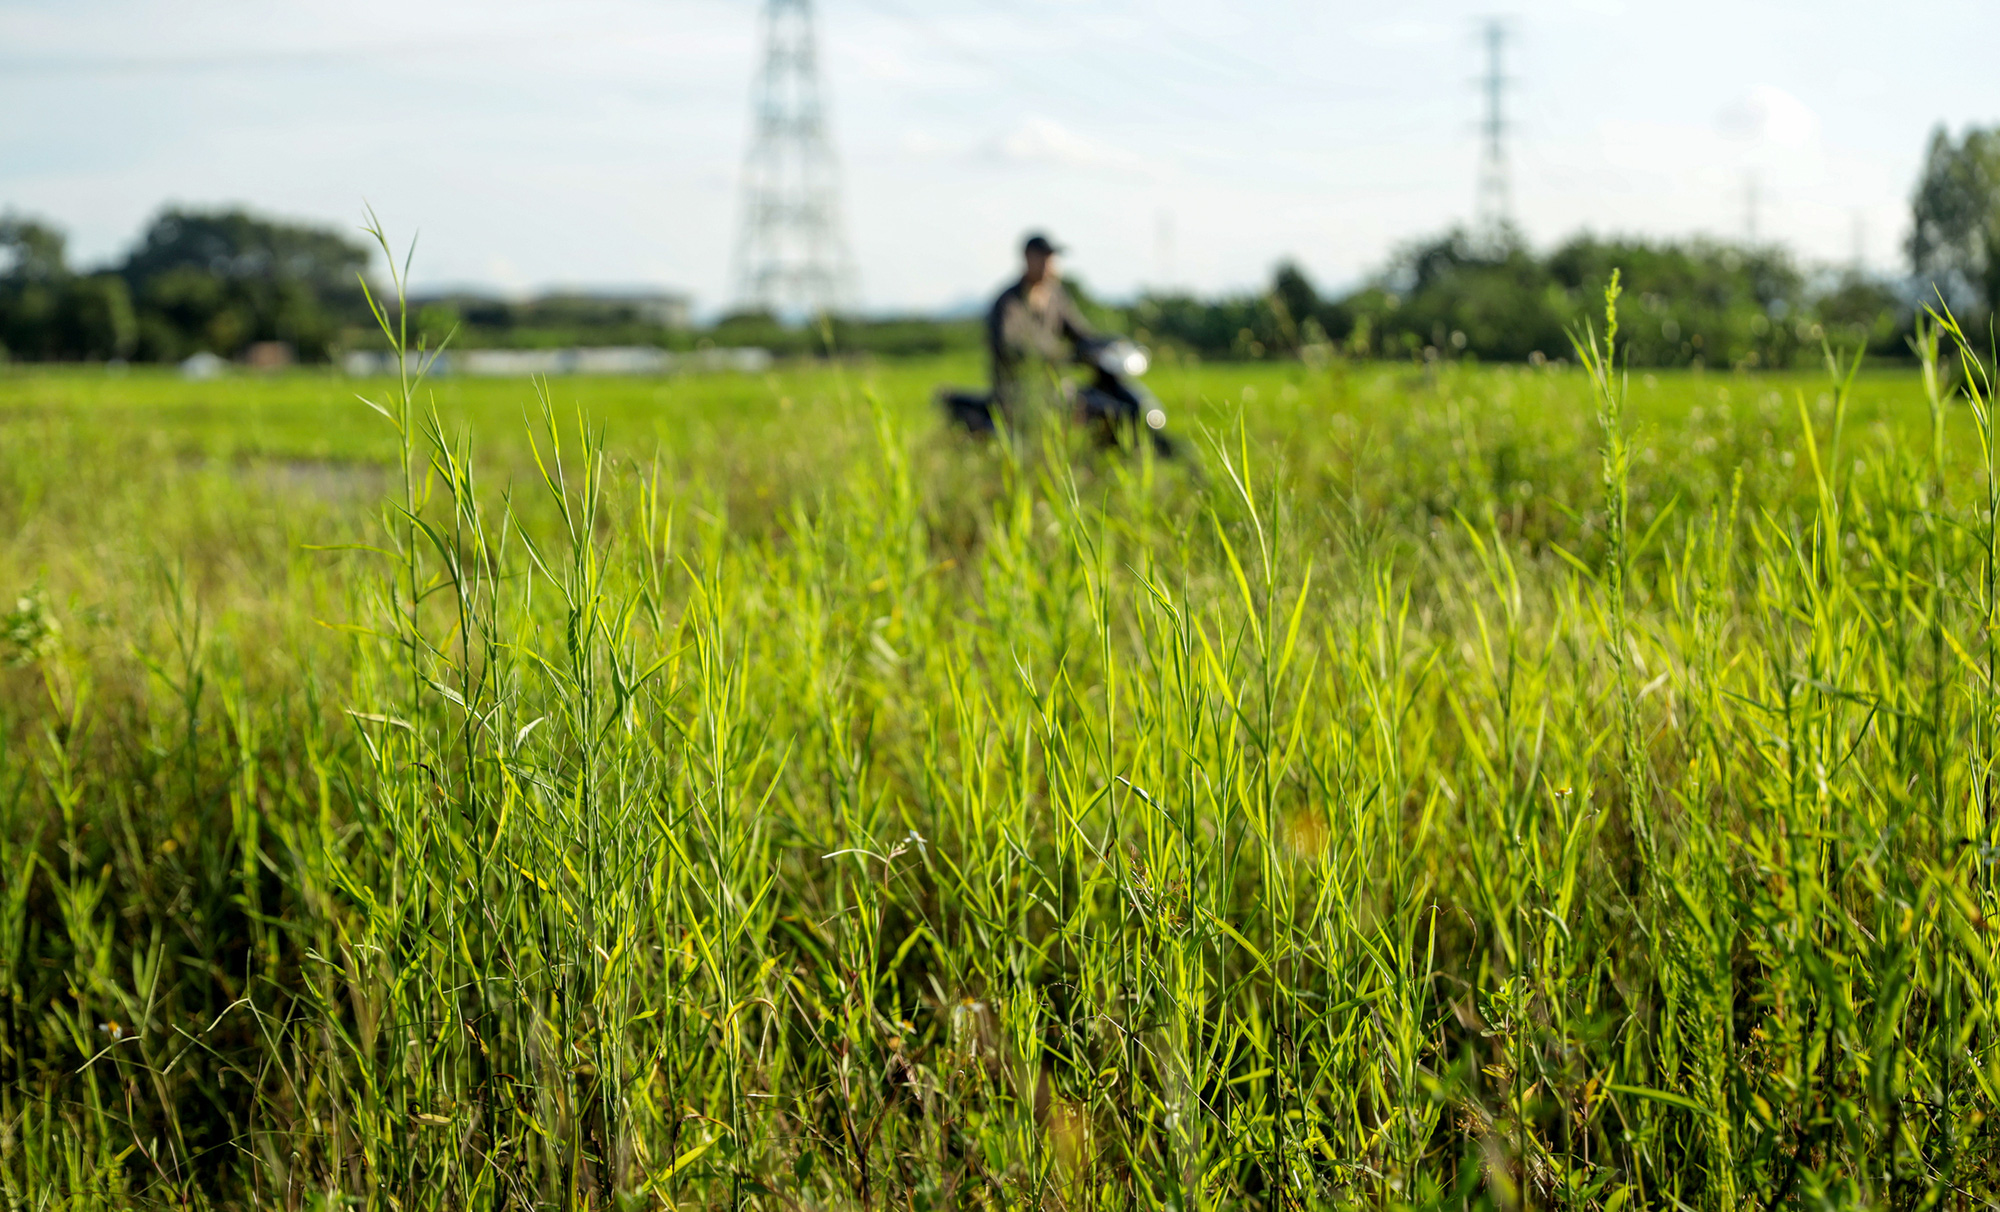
(552, 322)
(222, 281)
(196, 281)
(905, 336)
(49, 314)
(1690, 303)
(1955, 218)
(1462, 786)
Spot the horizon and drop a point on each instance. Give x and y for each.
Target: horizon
(973, 305)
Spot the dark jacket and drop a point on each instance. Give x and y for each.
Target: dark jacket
(1017, 334)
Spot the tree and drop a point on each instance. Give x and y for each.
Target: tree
(184, 310)
(95, 319)
(234, 245)
(1689, 300)
(1458, 294)
(1293, 302)
(218, 280)
(33, 251)
(47, 312)
(1863, 311)
(30, 285)
(1955, 217)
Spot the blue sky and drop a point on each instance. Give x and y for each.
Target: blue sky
(600, 141)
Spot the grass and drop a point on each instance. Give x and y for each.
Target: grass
(1462, 786)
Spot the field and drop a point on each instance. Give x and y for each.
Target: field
(1447, 786)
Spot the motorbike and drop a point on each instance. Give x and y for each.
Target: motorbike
(1113, 404)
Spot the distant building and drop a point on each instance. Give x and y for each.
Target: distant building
(664, 308)
(610, 331)
(527, 363)
(626, 311)
(269, 355)
(668, 311)
(203, 365)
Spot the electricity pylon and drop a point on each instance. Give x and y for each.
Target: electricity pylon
(791, 257)
(1495, 210)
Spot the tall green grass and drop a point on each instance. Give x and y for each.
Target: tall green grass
(1461, 792)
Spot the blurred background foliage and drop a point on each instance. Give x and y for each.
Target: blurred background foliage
(222, 281)
(1695, 303)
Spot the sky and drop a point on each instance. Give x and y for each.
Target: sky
(1179, 144)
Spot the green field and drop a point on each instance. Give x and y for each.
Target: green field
(735, 791)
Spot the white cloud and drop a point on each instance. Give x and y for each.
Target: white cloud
(1769, 114)
(1040, 140)
(924, 145)
(1862, 83)
(1408, 32)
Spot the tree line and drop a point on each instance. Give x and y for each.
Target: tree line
(1688, 303)
(221, 280)
(214, 281)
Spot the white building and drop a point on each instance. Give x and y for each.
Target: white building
(528, 363)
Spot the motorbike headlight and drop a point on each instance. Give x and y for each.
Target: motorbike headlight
(1156, 418)
(1135, 361)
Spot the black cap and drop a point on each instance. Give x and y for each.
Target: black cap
(1039, 243)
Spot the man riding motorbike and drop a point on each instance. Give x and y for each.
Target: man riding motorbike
(1033, 328)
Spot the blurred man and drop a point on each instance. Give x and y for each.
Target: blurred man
(1033, 325)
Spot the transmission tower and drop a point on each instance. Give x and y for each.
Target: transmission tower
(1495, 205)
(791, 257)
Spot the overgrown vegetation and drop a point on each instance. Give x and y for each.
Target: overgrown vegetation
(1474, 786)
